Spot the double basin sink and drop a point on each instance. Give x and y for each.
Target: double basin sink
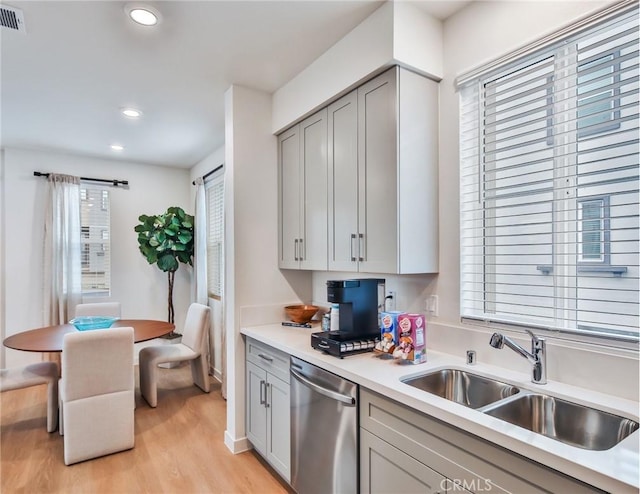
(558, 419)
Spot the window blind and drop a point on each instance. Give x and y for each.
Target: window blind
(549, 186)
(215, 234)
(95, 240)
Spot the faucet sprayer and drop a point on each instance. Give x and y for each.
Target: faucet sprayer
(537, 357)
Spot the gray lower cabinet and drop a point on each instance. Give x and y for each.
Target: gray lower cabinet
(385, 469)
(423, 454)
(268, 408)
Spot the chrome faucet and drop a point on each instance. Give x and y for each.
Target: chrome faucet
(537, 357)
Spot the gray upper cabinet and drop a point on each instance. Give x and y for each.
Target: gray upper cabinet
(302, 174)
(379, 147)
(343, 183)
(383, 176)
(378, 175)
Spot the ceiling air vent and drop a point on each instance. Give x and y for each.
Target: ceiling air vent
(12, 18)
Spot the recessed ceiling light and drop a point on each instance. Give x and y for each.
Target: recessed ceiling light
(143, 14)
(117, 147)
(131, 112)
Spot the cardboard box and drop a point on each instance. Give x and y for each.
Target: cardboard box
(411, 346)
(388, 333)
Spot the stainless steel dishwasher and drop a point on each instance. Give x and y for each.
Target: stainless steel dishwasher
(324, 431)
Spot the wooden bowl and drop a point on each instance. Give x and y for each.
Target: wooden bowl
(300, 313)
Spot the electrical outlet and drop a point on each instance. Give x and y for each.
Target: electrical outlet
(431, 305)
(390, 300)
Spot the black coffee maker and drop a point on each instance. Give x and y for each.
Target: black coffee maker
(359, 302)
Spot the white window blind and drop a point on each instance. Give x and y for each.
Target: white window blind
(549, 186)
(95, 240)
(215, 234)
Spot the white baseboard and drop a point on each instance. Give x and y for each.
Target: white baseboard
(217, 375)
(236, 445)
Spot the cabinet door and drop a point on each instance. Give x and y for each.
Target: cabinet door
(313, 206)
(289, 194)
(377, 175)
(278, 429)
(256, 410)
(343, 183)
(386, 469)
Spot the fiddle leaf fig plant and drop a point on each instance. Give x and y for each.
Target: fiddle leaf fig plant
(167, 240)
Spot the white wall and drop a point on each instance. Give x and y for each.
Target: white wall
(409, 289)
(365, 49)
(417, 40)
(141, 288)
(252, 277)
(209, 163)
(396, 33)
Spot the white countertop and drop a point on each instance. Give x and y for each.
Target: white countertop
(615, 470)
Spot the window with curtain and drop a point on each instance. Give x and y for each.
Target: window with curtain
(215, 234)
(549, 194)
(95, 240)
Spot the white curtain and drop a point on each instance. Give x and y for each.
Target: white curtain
(200, 257)
(62, 261)
(199, 286)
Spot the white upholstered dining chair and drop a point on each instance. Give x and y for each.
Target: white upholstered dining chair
(193, 348)
(105, 309)
(34, 375)
(97, 393)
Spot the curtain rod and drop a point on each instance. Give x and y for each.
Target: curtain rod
(113, 182)
(210, 173)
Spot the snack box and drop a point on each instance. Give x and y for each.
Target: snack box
(388, 333)
(411, 346)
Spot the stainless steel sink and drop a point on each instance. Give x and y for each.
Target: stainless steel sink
(462, 387)
(570, 423)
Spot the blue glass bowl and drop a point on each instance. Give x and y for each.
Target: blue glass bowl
(84, 323)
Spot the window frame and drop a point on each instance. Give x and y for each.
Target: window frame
(582, 265)
(215, 181)
(597, 128)
(100, 242)
(604, 259)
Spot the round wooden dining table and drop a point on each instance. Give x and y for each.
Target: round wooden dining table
(49, 339)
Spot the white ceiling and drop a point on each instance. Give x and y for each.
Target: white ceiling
(65, 80)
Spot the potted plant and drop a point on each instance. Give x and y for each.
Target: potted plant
(167, 240)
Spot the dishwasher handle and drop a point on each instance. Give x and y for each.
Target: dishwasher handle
(347, 400)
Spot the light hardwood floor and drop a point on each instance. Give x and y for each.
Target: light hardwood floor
(179, 448)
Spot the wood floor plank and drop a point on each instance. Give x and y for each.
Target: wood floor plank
(179, 448)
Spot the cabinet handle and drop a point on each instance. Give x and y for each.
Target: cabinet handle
(267, 395)
(353, 237)
(265, 357)
(295, 249)
(303, 250)
(361, 247)
(263, 392)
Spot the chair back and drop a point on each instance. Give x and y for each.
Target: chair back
(196, 327)
(106, 309)
(97, 362)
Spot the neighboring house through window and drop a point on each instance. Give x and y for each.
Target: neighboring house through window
(594, 231)
(215, 234)
(95, 240)
(549, 186)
